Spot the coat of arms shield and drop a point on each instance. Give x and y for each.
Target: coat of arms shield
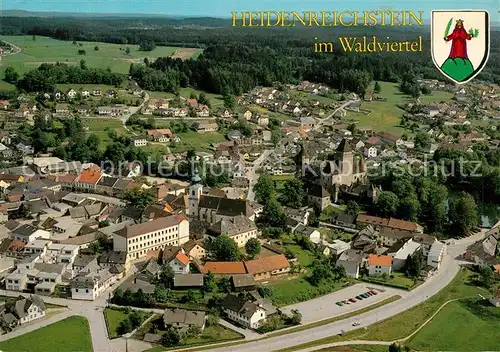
(460, 42)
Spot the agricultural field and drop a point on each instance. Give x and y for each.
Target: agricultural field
(48, 50)
(197, 141)
(98, 127)
(70, 334)
(468, 325)
(386, 115)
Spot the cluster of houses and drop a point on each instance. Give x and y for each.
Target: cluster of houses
(379, 245)
(161, 107)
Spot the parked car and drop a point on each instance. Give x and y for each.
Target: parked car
(374, 292)
(356, 323)
(365, 295)
(359, 298)
(352, 300)
(346, 301)
(339, 303)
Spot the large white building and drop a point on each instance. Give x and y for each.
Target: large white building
(138, 239)
(436, 254)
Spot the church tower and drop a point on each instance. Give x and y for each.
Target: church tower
(195, 191)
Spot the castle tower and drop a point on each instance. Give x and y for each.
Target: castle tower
(195, 191)
(344, 158)
(302, 161)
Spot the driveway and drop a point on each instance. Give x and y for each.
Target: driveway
(324, 307)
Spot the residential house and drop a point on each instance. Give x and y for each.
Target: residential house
(401, 253)
(28, 233)
(188, 281)
(139, 142)
(195, 249)
(310, 232)
(352, 261)
(243, 282)
(112, 259)
(184, 319)
(240, 229)
(436, 254)
(71, 94)
(21, 310)
(206, 127)
(265, 268)
(90, 286)
(177, 260)
(62, 109)
(224, 268)
(379, 264)
(250, 314)
(87, 180)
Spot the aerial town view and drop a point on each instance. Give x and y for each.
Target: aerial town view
(227, 176)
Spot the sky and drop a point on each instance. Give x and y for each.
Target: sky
(223, 8)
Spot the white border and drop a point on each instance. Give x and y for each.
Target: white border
(488, 43)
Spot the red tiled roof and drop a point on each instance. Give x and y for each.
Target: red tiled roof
(403, 225)
(184, 259)
(382, 260)
(372, 219)
(267, 264)
(90, 176)
(227, 268)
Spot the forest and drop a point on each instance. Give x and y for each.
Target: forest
(237, 59)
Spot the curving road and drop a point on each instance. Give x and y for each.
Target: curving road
(443, 277)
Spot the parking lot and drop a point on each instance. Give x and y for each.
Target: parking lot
(325, 307)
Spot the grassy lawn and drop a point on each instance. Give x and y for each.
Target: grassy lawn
(113, 319)
(331, 210)
(70, 334)
(197, 141)
(461, 326)
(333, 234)
(98, 126)
(282, 177)
(215, 99)
(305, 257)
(4, 86)
(356, 348)
(397, 279)
(48, 50)
(402, 325)
(213, 334)
(210, 335)
(385, 115)
(287, 292)
(160, 95)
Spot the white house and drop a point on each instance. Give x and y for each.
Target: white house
(92, 285)
(371, 152)
(23, 311)
(140, 142)
(180, 263)
(249, 314)
(28, 233)
(436, 254)
(399, 257)
(379, 264)
(71, 94)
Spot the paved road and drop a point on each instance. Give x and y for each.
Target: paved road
(251, 172)
(324, 307)
(445, 275)
(343, 106)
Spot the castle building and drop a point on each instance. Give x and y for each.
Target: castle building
(344, 168)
